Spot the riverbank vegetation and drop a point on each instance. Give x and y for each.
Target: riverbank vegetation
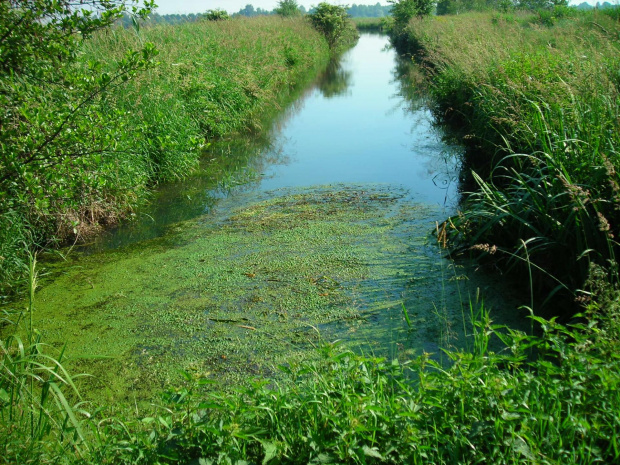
(551, 398)
(90, 126)
(544, 399)
(535, 97)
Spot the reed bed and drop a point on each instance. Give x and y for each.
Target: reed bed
(536, 100)
(208, 80)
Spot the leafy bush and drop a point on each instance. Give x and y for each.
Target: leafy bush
(216, 15)
(56, 122)
(332, 21)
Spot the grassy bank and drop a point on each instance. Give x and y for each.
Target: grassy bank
(197, 82)
(369, 24)
(535, 97)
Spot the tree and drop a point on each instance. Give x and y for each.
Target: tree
(216, 15)
(404, 10)
(331, 20)
(288, 8)
(54, 117)
(248, 11)
(48, 102)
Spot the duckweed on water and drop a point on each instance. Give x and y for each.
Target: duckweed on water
(237, 296)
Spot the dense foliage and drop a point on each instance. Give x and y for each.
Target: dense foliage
(357, 11)
(538, 104)
(86, 130)
(333, 22)
(56, 124)
(369, 11)
(404, 10)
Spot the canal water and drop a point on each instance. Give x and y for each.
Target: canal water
(318, 229)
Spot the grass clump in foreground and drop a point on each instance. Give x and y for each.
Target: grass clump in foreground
(484, 407)
(79, 154)
(538, 105)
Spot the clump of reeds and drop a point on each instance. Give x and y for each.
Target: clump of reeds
(537, 105)
(38, 421)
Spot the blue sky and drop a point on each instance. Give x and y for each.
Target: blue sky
(232, 6)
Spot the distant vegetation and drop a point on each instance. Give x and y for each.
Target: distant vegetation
(355, 11)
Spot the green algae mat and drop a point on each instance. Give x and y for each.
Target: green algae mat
(235, 295)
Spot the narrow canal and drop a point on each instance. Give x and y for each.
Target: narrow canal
(319, 229)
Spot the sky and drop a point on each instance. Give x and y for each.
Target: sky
(232, 6)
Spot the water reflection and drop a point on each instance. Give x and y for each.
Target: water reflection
(443, 167)
(336, 81)
(362, 122)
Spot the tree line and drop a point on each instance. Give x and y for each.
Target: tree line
(289, 8)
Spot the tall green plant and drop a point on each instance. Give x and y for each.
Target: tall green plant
(38, 422)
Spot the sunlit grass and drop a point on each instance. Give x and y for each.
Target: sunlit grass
(513, 84)
(214, 79)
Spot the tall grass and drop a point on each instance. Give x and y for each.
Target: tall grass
(538, 107)
(214, 78)
(38, 422)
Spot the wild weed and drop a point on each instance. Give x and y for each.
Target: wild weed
(38, 421)
(538, 108)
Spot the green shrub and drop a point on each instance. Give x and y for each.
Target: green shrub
(332, 21)
(216, 15)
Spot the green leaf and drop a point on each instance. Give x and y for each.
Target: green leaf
(372, 452)
(270, 451)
